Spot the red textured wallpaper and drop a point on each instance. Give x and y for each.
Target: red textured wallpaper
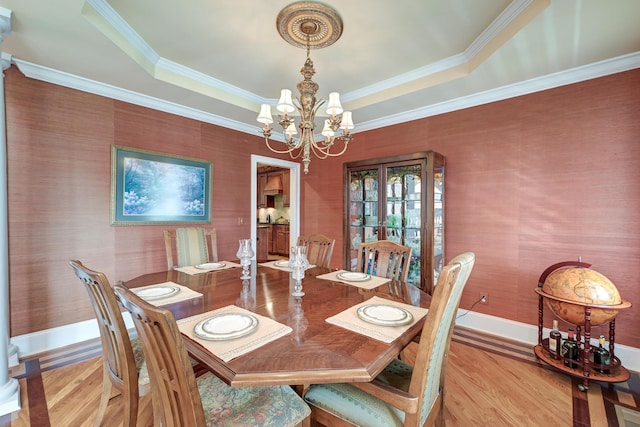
(530, 181)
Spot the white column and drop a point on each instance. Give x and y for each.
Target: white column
(9, 387)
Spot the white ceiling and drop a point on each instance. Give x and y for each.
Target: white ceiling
(218, 60)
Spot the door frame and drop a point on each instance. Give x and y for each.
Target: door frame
(294, 195)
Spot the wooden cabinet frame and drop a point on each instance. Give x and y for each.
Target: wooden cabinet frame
(430, 253)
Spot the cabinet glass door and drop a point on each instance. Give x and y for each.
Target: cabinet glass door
(363, 210)
(403, 205)
(398, 198)
(438, 218)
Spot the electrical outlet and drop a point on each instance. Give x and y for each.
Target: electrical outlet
(484, 297)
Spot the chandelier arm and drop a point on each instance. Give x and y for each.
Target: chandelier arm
(325, 150)
(319, 151)
(288, 150)
(295, 156)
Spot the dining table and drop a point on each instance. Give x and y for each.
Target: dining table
(311, 343)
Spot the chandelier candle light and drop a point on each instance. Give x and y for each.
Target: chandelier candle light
(310, 25)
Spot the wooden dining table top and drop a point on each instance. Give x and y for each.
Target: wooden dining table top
(315, 351)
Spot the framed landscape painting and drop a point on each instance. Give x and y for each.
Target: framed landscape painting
(149, 188)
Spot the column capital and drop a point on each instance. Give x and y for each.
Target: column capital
(5, 20)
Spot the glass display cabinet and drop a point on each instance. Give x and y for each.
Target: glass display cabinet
(399, 198)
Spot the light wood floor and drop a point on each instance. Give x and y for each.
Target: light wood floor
(489, 382)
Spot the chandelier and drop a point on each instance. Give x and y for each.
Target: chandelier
(309, 24)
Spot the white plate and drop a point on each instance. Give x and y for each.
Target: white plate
(210, 266)
(283, 264)
(353, 276)
(156, 292)
(226, 326)
(385, 315)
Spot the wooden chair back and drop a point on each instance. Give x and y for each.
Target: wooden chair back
(319, 249)
(190, 246)
(176, 400)
(384, 258)
(119, 366)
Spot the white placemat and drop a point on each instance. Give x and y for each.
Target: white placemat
(272, 264)
(184, 294)
(372, 283)
(268, 330)
(192, 270)
(350, 320)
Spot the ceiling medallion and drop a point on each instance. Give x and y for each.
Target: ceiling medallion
(311, 24)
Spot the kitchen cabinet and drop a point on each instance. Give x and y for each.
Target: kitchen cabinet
(272, 240)
(282, 239)
(399, 198)
(262, 198)
(262, 243)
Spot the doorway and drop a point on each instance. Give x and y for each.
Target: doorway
(294, 195)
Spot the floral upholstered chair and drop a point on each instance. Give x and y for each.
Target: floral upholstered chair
(402, 395)
(181, 399)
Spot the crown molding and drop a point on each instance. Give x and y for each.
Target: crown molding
(574, 75)
(514, 17)
(563, 78)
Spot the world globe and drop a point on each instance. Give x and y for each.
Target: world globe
(585, 287)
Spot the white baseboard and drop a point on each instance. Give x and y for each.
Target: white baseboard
(49, 339)
(517, 331)
(74, 333)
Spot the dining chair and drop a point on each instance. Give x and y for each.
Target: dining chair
(466, 261)
(181, 399)
(319, 249)
(123, 368)
(384, 258)
(190, 246)
(402, 394)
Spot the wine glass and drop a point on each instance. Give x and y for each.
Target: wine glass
(298, 263)
(244, 254)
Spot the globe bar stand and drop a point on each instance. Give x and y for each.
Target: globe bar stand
(586, 369)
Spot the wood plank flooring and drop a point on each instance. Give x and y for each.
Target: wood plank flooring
(489, 382)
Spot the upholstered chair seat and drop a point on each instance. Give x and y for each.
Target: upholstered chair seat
(249, 406)
(141, 364)
(402, 394)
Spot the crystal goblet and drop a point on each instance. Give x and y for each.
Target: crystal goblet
(244, 254)
(298, 263)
